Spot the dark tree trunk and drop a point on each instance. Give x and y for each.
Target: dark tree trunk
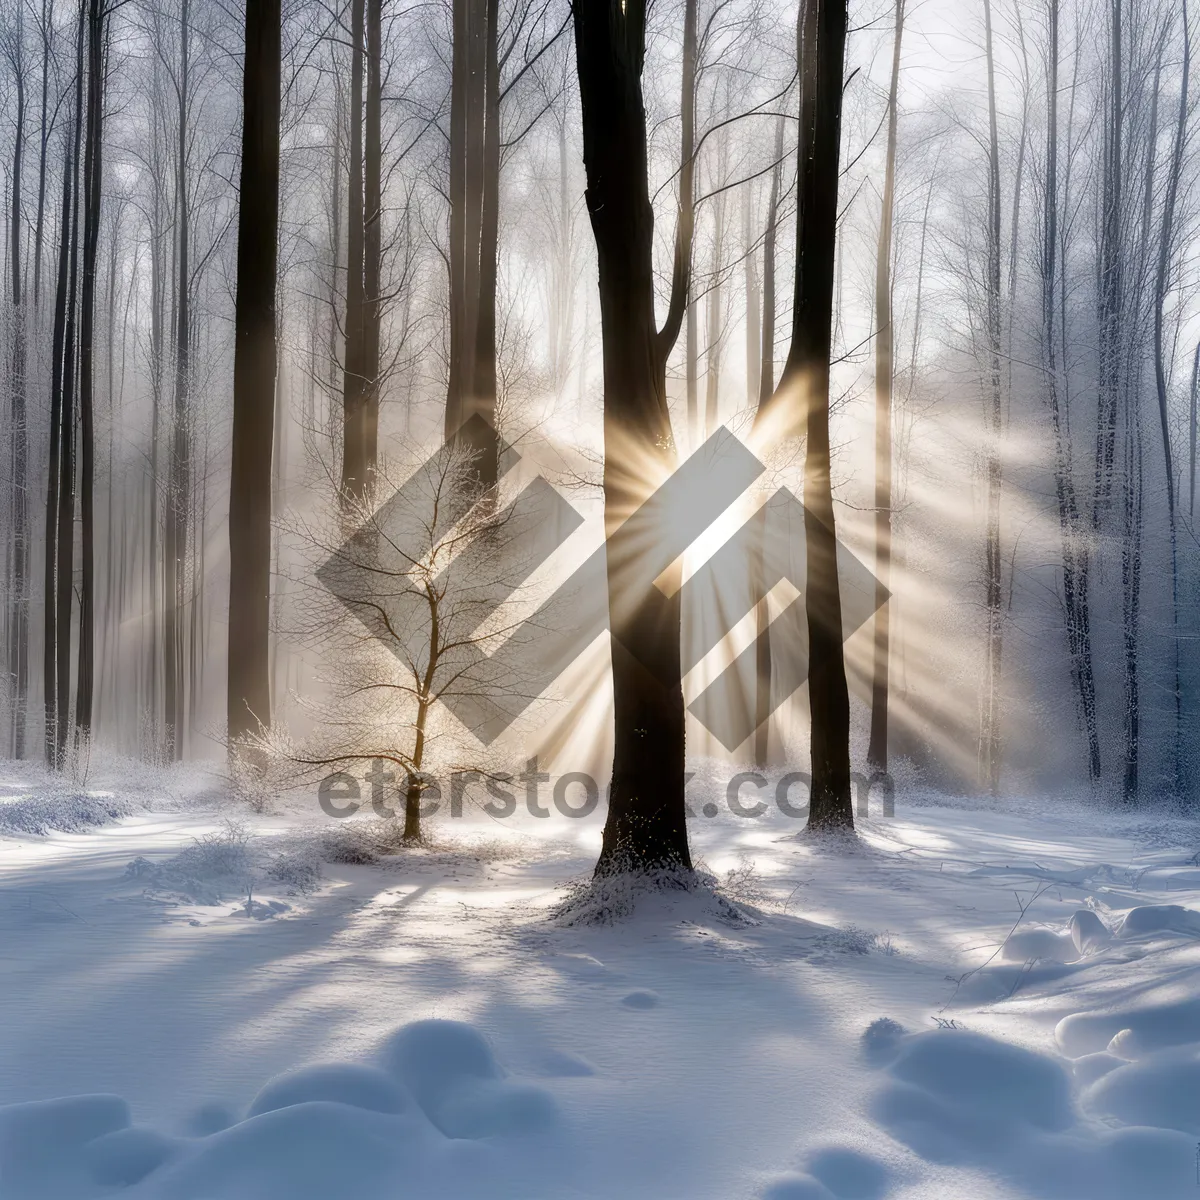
(885, 370)
(58, 479)
(804, 389)
(483, 206)
(92, 174)
(353, 382)
(460, 308)
(65, 535)
(474, 229)
(646, 825)
(249, 694)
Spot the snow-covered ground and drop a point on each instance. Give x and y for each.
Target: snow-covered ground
(976, 1003)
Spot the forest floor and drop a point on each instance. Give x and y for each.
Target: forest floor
(710, 1046)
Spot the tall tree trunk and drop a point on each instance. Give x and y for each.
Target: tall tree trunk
(335, 235)
(92, 174)
(353, 382)
(481, 398)
(1162, 282)
(1132, 508)
(55, 481)
(691, 372)
(990, 715)
(18, 597)
(716, 309)
(372, 243)
(562, 287)
(47, 33)
(804, 389)
(1193, 397)
(767, 383)
(254, 365)
(64, 518)
(766, 389)
(1073, 537)
(885, 370)
(1131, 579)
(156, 578)
(646, 824)
(179, 488)
(753, 302)
(459, 302)
(474, 230)
(1110, 281)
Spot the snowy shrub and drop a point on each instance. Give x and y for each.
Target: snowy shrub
(881, 1041)
(353, 843)
(214, 868)
(299, 870)
(57, 809)
(743, 884)
(251, 785)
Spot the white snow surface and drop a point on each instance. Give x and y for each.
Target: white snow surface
(977, 1002)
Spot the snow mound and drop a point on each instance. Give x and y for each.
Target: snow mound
(1143, 1030)
(850, 1175)
(341, 1083)
(42, 1142)
(309, 1151)
(211, 1117)
(953, 1093)
(962, 1099)
(642, 998)
(1162, 1091)
(835, 1173)
(127, 1156)
(1091, 1067)
(439, 1120)
(449, 1067)
(1040, 943)
(1085, 934)
(1088, 932)
(1159, 918)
